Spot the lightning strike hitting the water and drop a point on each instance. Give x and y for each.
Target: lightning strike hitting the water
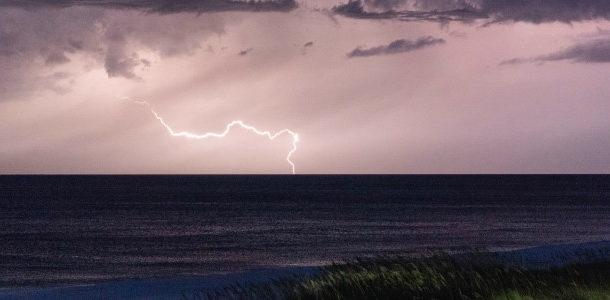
(271, 136)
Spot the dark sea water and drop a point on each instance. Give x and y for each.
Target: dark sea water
(75, 229)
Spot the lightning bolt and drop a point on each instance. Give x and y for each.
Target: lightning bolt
(189, 135)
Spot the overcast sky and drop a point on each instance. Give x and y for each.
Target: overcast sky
(378, 86)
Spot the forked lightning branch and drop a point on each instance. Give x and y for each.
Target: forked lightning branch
(189, 135)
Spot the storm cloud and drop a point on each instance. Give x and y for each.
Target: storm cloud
(47, 42)
(596, 51)
(162, 6)
(245, 51)
(115, 34)
(397, 46)
(385, 4)
(358, 10)
(532, 11)
(541, 11)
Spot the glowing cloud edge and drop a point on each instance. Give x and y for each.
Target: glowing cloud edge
(271, 136)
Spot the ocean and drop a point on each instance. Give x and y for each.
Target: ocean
(57, 230)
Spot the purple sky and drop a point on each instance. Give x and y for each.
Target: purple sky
(378, 86)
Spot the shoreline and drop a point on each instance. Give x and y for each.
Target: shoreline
(159, 288)
(539, 257)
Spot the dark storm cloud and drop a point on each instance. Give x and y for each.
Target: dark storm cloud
(596, 51)
(118, 64)
(245, 52)
(162, 6)
(385, 4)
(395, 47)
(356, 9)
(37, 44)
(540, 11)
(39, 36)
(533, 11)
(57, 58)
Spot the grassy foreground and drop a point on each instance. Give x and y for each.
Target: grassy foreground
(436, 277)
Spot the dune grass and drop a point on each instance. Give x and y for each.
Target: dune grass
(435, 277)
(568, 293)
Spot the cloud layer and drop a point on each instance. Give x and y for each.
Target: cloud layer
(397, 46)
(357, 9)
(37, 47)
(39, 38)
(533, 11)
(163, 6)
(596, 51)
(541, 11)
